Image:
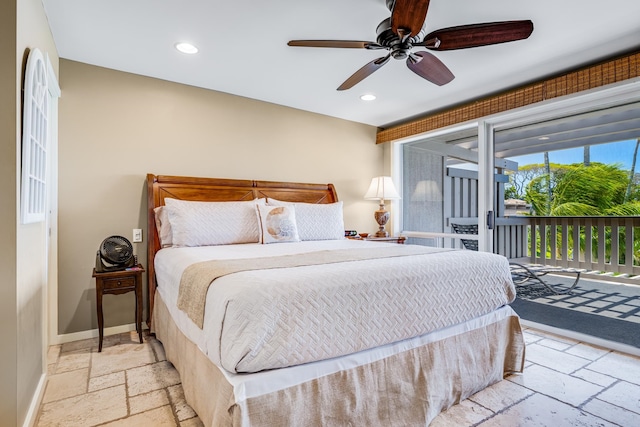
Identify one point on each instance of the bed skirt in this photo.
(408, 388)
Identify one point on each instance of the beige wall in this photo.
(33, 32)
(23, 26)
(8, 182)
(117, 127)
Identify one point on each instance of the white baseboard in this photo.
(32, 414)
(93, 333)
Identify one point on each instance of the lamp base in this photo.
(381, 216)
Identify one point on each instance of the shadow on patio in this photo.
(602, 309)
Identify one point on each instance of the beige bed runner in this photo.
(197, 278)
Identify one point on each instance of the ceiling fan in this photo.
(404, 30)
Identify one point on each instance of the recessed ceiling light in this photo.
(367, 97)
(186, 48)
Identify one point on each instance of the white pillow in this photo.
(213, 223)
(278, 224)
(163, 226)
(317, 221)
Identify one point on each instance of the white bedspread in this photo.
(266, 319)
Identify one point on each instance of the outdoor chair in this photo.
(520, 273)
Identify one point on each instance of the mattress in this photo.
(338, 309)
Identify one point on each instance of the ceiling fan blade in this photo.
(364, 72)
(409, 15)
(350, 44)
(430, 68)
(475, 35)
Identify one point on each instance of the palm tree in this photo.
(632, 173)
(587, 155)
(591, 189)
(547, 168)
(579, 190)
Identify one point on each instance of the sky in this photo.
(613, 152)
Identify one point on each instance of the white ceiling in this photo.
(243, 47)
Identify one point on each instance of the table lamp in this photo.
(382, 189)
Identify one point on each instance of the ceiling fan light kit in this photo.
(404, 31)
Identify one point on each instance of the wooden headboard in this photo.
(218, 190)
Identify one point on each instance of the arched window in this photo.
(34, 140)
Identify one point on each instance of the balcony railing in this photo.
(604, 244)
(595, 244)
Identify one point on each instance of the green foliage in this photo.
(536, 195)
(598, 185)
(574, 209)
(519, 179)
(511, 193)
(625, 209)
(635, 188)
(581, 190)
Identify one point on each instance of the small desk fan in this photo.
(115, 254)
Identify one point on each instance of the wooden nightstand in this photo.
(399, 240)
(116, 283)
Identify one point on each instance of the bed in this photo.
(316, 329)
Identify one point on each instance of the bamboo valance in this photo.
(611, 71)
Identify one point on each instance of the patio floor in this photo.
(603, 309)
(614, 300)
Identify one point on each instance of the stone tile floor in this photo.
(127, 384)
(565, 383)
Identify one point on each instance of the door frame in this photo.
(486, 176)
(50, 316)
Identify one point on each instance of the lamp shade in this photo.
(382, 188)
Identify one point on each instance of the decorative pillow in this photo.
(213, 223)
(316, 221)
(163, 226)
(278, 224)
(275, 202)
